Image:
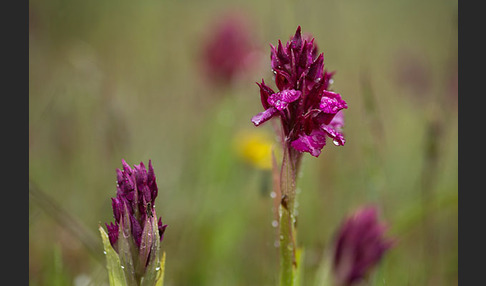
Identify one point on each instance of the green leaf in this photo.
(160, 277)
(153, 268)
(116, 274)
(146, 242)
(127, 251)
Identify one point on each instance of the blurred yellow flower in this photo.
(255, 148)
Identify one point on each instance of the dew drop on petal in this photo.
(274, 223)
(335, 142)
(104, 252)
(273, 195)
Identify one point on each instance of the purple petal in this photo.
(282, 55)
(305, 59)
(278, 56)
(136, 230)
(316, 69)
(312, 143)
(331, 102)
(263, 116)
(337, 137)
(283, 80)
(296, 42)
(275, 62)
(338, 121)
(281, 100)
(140, 175)
(126, 167)
(125, 182)
(119, 176)
(152, 184)
(117, 206)
(310, 39)
(265, 92)
(162, 228)
(112, 233)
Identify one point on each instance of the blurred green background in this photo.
(123, 79)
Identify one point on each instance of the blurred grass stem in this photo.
(66, 221)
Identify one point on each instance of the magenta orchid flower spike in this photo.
(359, 246)
(309, 114)
(134, 238)
(304, 103)
(230, 49)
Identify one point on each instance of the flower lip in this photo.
(331, 102)
(281, 100)
(312, 143)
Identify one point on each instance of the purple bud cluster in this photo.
(135, 200)
(360, 244)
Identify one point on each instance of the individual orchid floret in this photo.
(303, 101)
(316, 140)
(359, 246)
(136, 234)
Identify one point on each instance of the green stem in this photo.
(288, 243)
(287, 249)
